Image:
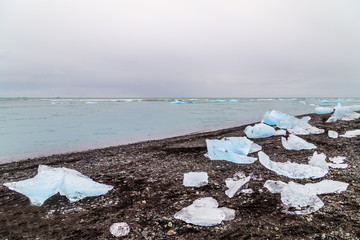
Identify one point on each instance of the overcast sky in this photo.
(180, 48)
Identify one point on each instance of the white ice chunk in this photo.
(338, 165)
(234, 184)
(343, 113)
(295, 143)
(323, 110)
(255, 148)
(304, 197)
(333, 134)
(318, 160)
(292, 170)
(195, 179)
(259, 130)
(337, 160)
(280, 132)
(120, 229)
(50, 181)
(205, 212)
(351, 134)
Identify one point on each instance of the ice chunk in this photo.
(351, 134)
(255, 148)
(333, 134)
(337, 160)
(50, 181)
(343, 113)
(295, 143)
(205, 212)
(280, 132)
(323, 110)
(195, 179)
(234, 184)
(338, 165)
(233, 100)
(302, 102)
(233, 149)
(318, 160)
(120, 229)
(304, 197)
(324, 101)
(292, 170)
(177, 102)
(259, 130)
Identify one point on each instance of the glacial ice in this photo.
(295, 143)
(205, 212)
(235, 183)
(259, 130)
(120, 229)
(50, 181)
(323, 110)
(319, 160)
(233, 100)
(333, 134)
(195, 179)
(345, 113)
(351, 133)
(232, 149)
(292, 170)
(304, 197)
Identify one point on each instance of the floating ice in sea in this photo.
(351, 134)
(205, 212)
(177, 102)
(50, 181)
(232, 149)
(219, 100)
(323, 110)
(292, 170)
(295, 143)
(233, 100)
(324, 101)
(333, 134)
(195, 179)
(304, 197)
(302, 102)
(343, 113)
(235, 183)
(120, 229)
(259, 130)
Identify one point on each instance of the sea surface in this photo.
(32, 127)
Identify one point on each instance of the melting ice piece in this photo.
(337, 160)
(195, 179)
(323, 110)
(232, 149)
(120, 229)
(233, 100)
(304, 197)
(343, 113)
(292, 170)
(351, 134)
(205, 212)
(235, 183)
(318, 160)
(50, 181)
(333, 134)
(255, 148)
(259, 130)
(295, 143)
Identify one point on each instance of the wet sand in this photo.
(148, 191)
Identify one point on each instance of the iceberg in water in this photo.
(205, 212)
(351, 134)
(235, 184)
(292, 170)
(232, 149)
(323, 110)
(295, 143)
(49, 181)
(303, 198)
(195, 179)
(233, 100)
(259, 130)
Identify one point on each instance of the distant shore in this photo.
(148, 191)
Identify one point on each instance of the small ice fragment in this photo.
(351, 134)
(338, 165)
(292, 170)
(333, 134)
(337, 160)
(120, 229)
(195, 179)
(247, 191)
(323, 110)
(295, 143)
(234, 184)
(318, 160)
(255, 148)
(205, 212)
(280, 132)
(259, 130)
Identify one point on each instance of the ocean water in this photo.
(32, 127)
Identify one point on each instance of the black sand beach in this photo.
(148, 191)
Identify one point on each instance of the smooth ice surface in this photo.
(259, 130)
(323, 110)
(235, 183)
(333, 134)
(295, 143)
(255, 148)
(120, 229)
(304, 197)
(232, 149)
(292, 170)
(195, 179)
(205, 212)
(351, 133)
(50, 181)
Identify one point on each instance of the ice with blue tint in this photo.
(292, 170)
(302, 199)
(49, 181)
(295, 143)
(343, 113)
(259, 130)
(195, 179)
(323, 110)
(232, 149)
(324, 101)
(303, 102)
(177, 102)
(205, 212)
(233, 100)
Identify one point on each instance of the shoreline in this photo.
(148, 191)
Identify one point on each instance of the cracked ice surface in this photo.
(205, 212)
(295, 143)
(234, 184)
(195, 179)
(259, 130)
(292, 170)
(50, 181)
(304, 197)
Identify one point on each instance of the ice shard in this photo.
(259, 130)
(195, 179)
(235, 184)
(295, 143)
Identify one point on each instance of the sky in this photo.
(179, 48)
